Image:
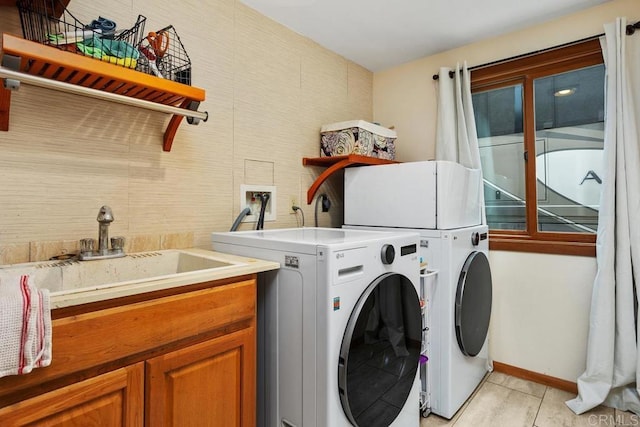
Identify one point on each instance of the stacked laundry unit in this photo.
(439, 200)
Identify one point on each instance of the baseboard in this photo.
(536, 377)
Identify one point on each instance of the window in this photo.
(540, 124)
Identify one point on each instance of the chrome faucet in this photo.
(87, 251)
(105, 217)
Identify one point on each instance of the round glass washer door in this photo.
(380, 352)
(473, 304)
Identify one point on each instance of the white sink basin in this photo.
(62, 277)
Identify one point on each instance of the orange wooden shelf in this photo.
(335, 164)
(52, 63)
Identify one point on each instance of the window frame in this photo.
(524, 70)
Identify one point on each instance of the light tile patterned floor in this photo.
(505, 401)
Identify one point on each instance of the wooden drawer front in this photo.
(97, 338)
(112, 399)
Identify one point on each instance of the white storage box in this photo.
(430, 194)
(357, 137)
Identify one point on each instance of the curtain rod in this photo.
(630, 30)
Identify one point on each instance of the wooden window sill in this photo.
(524, 244)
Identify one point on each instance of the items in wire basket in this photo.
(160, 53)
(49, 22)
(106, 26)
(164, 55)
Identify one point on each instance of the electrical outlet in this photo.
(326, 203)
(293, 201)
(249, 197)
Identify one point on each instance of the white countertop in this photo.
(240, 266)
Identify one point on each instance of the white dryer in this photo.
(339, 326)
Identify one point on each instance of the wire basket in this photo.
(162, 54)
(49, 22)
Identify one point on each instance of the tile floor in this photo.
(505, 401)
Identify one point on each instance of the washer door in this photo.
(380, 352)
(473, 304)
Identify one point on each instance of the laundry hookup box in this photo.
(357, 137)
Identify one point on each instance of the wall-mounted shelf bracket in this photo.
(32, 63)
(13, 63)
(335, 164)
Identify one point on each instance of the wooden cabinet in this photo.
(178, 357)
(208, 384)
(111, 399)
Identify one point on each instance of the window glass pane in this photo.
(569, 115)
(499, 121)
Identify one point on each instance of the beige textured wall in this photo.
(268, 92)
(541, 303)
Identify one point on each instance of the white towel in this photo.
(25, 326)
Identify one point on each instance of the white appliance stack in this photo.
(439, 200)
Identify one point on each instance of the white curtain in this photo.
(456, 137)
(613, 360)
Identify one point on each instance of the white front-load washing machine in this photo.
(460, 304)
(458, 296)
(441, 201)
(339, 326)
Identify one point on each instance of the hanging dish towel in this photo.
(25, 326)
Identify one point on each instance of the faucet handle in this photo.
(117, 242)
(87, 245)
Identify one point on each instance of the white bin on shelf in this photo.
(357, 137)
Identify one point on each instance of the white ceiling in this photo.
(378, 34)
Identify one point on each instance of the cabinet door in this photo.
(211, 384)
(112, 399)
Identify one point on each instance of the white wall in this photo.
(540, 314)
(541, 302)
